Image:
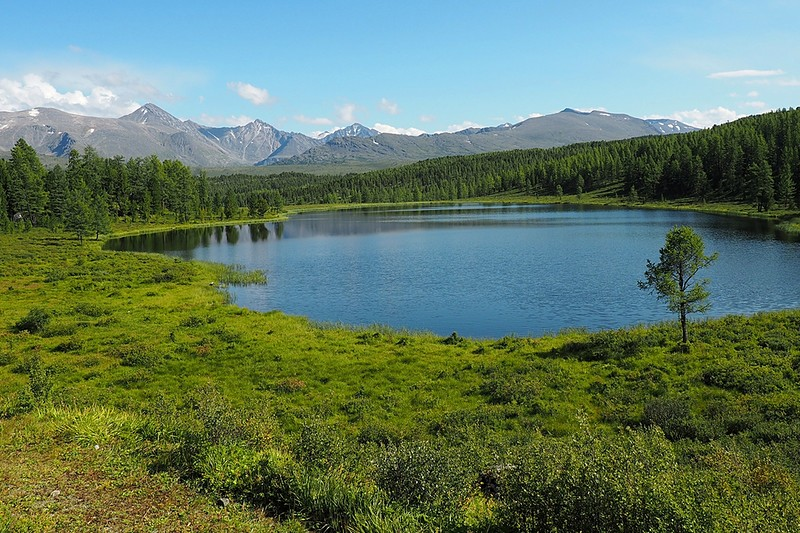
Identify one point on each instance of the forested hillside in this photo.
(91, 191)
(756, 159)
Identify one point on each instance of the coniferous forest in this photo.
(756, 159)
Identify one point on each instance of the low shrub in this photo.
(605, 346)
(454, 340)
(69, 345)
(192, 321)
(625, 483)
(423, 474)
(59, 329)
(228, 468)
(322, 446)
(504, 387)
(92, 425)
(289, 385)
(137, 355)
(34, 322)
(672, 415)
(740, 376)
(89, 309)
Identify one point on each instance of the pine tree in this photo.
(784, 187)
(57, 188)
(101, 221)
(4, 220)
(759, 178)
(26, 192)
(79, 213)
(231, 205)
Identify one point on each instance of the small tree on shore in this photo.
(673, 277)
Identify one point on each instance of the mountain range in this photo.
(151, 130)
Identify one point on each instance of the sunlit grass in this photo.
(133, 340)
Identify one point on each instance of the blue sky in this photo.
(408, 67)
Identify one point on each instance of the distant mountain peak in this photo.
(570, 110)
(353, 130)
(151, 114)
(151, 130)
(667, 125)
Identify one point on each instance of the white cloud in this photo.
(589, 109)
(427, 118)
(789, 83)
(220, 121)
(752, 94)
(706, 118)
(755, 104)
(251, 93)
(745, 73)
(318, 121)
(346, 113)
(385, 128)
(463, 126)
(35, 90)
(520, 118)
(389, 107)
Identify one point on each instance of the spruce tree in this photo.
(79, 213)
(26, 192)
(101, 221)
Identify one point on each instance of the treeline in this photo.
(755, 159)
(92, 191)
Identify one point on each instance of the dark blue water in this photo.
(487, 270)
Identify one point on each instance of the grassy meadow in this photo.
(134, 396)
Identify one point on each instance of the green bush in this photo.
(137, 355)
(510, 386)
(34, 322)
(89, 309)
(779, 341)
(592, 484)
(423, 474)
(192, 321)
(92, 425)
(321, 445)
(228, 468)
(59, 329)
(605, 346)
(739, 376)
(69, 345)
(673, 416)
(40, 380)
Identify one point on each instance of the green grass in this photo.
(308, 426)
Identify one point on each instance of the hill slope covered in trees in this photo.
(755, 159)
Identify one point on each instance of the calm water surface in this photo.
(486, 270)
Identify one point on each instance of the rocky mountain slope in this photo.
(559, 129)
(151, 130)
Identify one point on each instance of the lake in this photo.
(486, 270)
